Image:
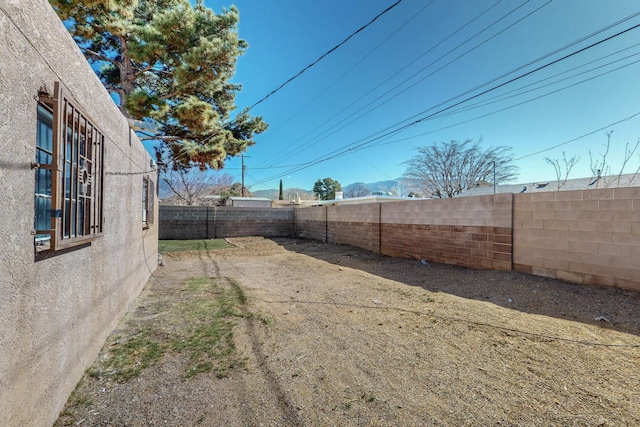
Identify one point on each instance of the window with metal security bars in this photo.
(147, 201)
(69, 174)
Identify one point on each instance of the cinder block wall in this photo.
(589, 236)
(471, 231)
(355, 225)
(202, 222)
(311, 223)
(56, 313)
(586, 236)
(467, 231)
(267, 222)
(184, 223)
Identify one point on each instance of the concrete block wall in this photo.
(355, 225)
(585, 236)
(311, 223)
(183, 222)
(471, 231)
(588, 236)
(202, 222)
(236, 222)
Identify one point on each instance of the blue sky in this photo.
(424, 56)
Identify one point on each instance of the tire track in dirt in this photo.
(254, 334)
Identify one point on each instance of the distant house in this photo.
(78, 214)
(249, 202)
(626, 180)
(212, 200)
(361, 200)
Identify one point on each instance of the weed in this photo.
(242, 297)
(367, 397)
(128, 359)
(207, 320)
(265, 319)
(76, 399)
(199, 324)
(165, 246)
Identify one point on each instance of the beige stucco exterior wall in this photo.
(56, 313)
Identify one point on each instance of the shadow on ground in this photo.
(606, 307)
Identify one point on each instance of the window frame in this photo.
(148, 193)
(77, 174)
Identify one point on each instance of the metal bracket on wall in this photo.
(50, 167)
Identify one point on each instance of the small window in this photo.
(69, 174)
(147, 201)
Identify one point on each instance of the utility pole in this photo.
(244, 169)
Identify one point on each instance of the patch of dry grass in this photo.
(197, 321)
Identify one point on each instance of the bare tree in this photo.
(446, 169)
(635, 173)
(628, 153)
(187, 185)
(601, 170)
(191, 186)
(221, 183)
(562, 170)
(357, 190)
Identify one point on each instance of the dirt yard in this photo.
(337, 336)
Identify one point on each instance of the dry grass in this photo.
(195, 321)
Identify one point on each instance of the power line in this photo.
(507, 108)
(325, 54)
(496, 111)
(344, 150)
(442, 67)
(521, 76)
(324, 91)
(580, 137)
(538, 60)
(488, 82)
(519, 91)
(324, 135)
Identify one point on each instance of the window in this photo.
(147, 201)
(69, 174)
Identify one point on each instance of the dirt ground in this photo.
(345, 337)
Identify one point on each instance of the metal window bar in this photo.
(77, 173)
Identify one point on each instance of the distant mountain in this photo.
(267, 194)
(406, 186)
(289, 194)
(393, 186)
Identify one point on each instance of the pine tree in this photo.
(325, 189)
(169, 63)
(281, 195)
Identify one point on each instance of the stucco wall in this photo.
(56, 313)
